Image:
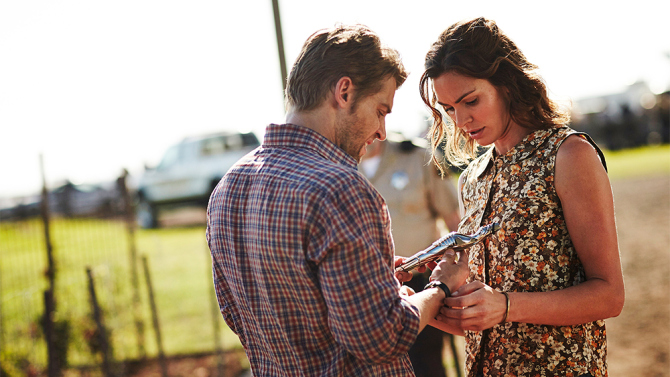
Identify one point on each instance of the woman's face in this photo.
(478, 109)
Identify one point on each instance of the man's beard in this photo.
(349, 135)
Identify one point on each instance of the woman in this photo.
(540, 288)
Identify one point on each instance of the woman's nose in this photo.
(461, 118)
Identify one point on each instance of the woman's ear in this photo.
(344, 90)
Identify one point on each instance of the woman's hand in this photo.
(474, 306)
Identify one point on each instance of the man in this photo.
(418, 199)
(301, 246)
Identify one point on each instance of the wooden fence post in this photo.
(154, 316)
(102, 330)
(54, 365)
(132, 253)
(51, 265)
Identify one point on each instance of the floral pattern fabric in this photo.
(532, 252)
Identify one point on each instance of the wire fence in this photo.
(82, 290)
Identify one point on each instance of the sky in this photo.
(98, 86)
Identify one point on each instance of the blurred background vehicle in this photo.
(68, 199)
(188, 172)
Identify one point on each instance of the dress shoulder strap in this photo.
(569, 132)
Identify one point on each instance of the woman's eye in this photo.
(470, 103)
(449, 110)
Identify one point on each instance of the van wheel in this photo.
(147, 215)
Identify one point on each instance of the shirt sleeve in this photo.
(225, 299)
(366, 314)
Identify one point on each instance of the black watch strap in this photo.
(438, 284)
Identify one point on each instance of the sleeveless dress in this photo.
(532, 252)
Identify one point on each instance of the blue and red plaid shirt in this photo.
(303, 262)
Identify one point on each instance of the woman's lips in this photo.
(476, 134)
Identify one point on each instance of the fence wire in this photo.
(101, 239)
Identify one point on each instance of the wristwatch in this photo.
(438, 284)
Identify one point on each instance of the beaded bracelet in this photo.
(506, 311)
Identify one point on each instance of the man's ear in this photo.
(344, 92)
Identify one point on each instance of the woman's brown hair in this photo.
(478, 49)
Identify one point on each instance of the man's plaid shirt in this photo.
(303, 262)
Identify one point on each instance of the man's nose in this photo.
(381, 132)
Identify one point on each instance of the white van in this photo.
(188, 172)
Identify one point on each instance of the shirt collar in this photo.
(295, 136)
(521, 151)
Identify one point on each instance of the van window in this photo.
(170, 158)
(213, 146)
(234, 142)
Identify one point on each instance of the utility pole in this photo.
(280, 45)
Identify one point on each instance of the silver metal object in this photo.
(453, 240)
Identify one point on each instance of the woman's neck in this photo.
(512, 136)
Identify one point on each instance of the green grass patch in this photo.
(180, 269)
(638, 162)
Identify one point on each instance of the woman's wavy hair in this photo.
(478, 49)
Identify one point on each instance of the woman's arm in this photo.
(586, 197)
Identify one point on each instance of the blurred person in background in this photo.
(541, 287)
(421, 203)
(301, 245)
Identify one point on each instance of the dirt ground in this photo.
(639, 339)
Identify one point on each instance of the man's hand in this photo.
(407, 276)
(402, 276)
(406, 291)
(452, 270)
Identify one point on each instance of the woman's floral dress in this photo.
(532, 252)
